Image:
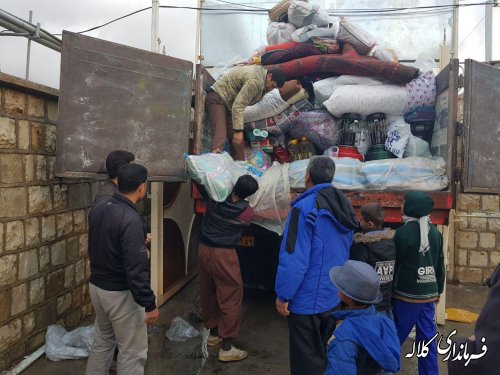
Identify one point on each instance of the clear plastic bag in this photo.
(217, 172)
(61, 344)
(271, 203)
(180, 330)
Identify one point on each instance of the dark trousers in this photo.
(308, 338)
(221, 289)
(221, 121)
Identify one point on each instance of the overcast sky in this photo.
(177, 30)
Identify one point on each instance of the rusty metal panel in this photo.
(201, 126)
(118, 97)
(444, 135)
(482, 128)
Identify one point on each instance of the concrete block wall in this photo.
(44, 267)
(477, 237)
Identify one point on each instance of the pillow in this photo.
(351, 33)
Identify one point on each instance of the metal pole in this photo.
(197, 52)
(156, 193)
(454, 47)
(155, 10)
(29, 50)
(488, 33)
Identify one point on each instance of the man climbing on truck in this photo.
(230, 95)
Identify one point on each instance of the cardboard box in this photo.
(279, 13)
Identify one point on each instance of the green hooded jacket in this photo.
(418, 275)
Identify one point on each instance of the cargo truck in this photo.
(117, 97)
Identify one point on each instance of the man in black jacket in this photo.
(114, 161)
(221, 285)
(119, 282)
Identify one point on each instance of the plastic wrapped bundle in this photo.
(347, 174)
(217, 172)
(319, 126)
(413, 173)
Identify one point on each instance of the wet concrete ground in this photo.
(263, 333)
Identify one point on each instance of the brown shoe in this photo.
(232, 355)
(213, 340)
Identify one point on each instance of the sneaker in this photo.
(213, 340)
(232, 355)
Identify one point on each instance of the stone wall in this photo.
(477, 237)
(43, 225)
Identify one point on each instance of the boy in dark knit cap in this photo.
(375, 246)
(419, 277)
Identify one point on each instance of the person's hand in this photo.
(437, 300)
(237, 138)
(282, 308)
(152, 316)
(148, 238)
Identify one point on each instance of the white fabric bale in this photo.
(279, 32)
(350, 32)
(398, 135)
(301, 13)
(269, 106)
(324, 88)
(307, 32)
(365, 100)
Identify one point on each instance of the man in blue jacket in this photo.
(317, 236)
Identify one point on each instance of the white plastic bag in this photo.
(271, 203)
(61, 344)
(307, 32)
(365, 100)
(417, 147)
(271, 104)
(398, 135)
(180, 330)
(279, 32)
(301, 13)
(217, 172)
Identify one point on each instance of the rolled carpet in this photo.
(293, 53)
(349, 62)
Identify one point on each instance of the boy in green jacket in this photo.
(419, 277)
